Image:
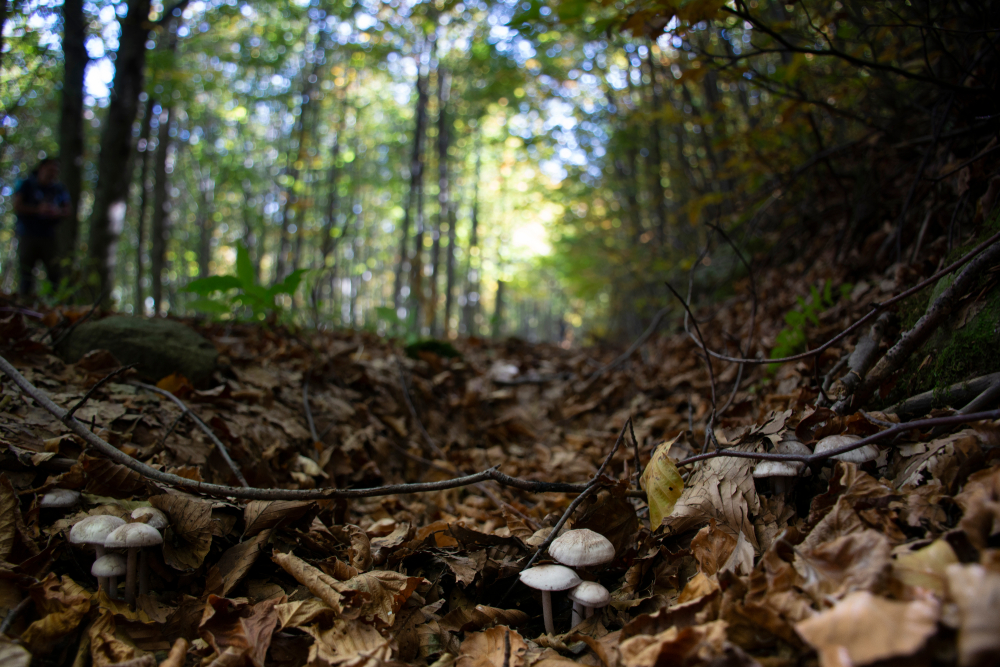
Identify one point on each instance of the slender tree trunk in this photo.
(416, 178)
(659, 206)
(249, 236)
(111, 191)
(472, 257)
(71, 138)
(444, 202)
(161, 211)
(498, 310)
(140, 218)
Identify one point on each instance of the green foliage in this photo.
(247, 295)
(397, 326)
(792, 339)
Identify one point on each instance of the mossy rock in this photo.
(159, 347)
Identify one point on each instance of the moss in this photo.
(954, 356)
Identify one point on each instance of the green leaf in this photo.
(205, 286)
(210, 306)
(663, 484)
(244, 267)
(289, 284)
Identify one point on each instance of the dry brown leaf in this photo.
(13, 655)
(740, 561)
(385, 591)
(360, 551)
(234, 564)
(676, 646)
(722, 489)
(489, 649)
(980, 502)
(347, 643)
(926, 567)
(320, 584)
(231, 624)
(859, 561)
(9, 508)
(711, 547)
(263, 514)
(302, 612)
(515, 525)
(178, 652)
(106, 646)
(613, 517)
(466, 620)
(62, 604)
(105, 478)
(869, 628)
(189, 536)
(976, 591)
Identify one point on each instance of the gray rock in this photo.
(159, 347)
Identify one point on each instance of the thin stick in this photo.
(635, 444)
(876, 309)
(13, 614)
(103, 381)
(624, 356)
(251, 493)
(709, 425)
(202, 425)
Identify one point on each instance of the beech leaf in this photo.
(662, 483)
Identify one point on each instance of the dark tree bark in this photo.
(472, 263)
(161, 210)
(140, 218)
(71, 120)
(655, 158)
(416, 178)
(498, 310)
(111, 191)
(444, 205)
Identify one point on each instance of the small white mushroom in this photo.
(132, 536)
(59, 499)
(95, 530)
(582, 548)
(108, 568)
(158, 520)
(782, 473)
(548, 578)
(860, 455)
(588, 595)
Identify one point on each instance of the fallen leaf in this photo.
(13, 655)
(926, 567)
(349, 643)
(106, 647)
(976, 591)
(466, 620)
(320, 584)
(496, 647)
(9, 507)
(234, 564)
(230, 624)
(662, 483)
(263, 514)
(869, 628)
(386, 592)
(189, 535)
(62, 603)
(676, 646)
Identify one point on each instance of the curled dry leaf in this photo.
(663, 484)
(106, 646)
(105, 478)
(926, 567)
(976, 591)
(235, 563)
(320, 584)
(869, 628)
(347, 643)
(385, 593)
(676, 646)
(230, 624)
(13, 655)
(489, 649)
(62, 604)
(190, 530)
(263, 514)
(9, 507)
(465, 620)
(859, 561)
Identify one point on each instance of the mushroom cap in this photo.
(94, 529)
(582, 548)
(133, 536)
(791, 445)
(59, 498)
(778, 469)
(110, 565)
(549, 578)
(860, 455)
(590, 594)
(157, 519)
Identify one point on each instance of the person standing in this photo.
(40, 203)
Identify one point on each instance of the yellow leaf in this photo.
(663, 484)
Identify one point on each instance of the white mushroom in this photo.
(548, 578)
(860, 455)
(589, 595)
(782, 473)
(132, 536)
(582, 548)
(108, 568)
(95, 530)
(59, 499)
(158, 520)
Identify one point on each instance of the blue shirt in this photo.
(34, 193)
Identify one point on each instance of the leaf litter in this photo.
(854, 564)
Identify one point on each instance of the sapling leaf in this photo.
(244, 268)
(210, 306)
(206, 286)
(663, 484)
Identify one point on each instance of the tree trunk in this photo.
(111, 191)
(659, 204)
(161, 209)
(140, 218)
(416, 178)
(472, 258)
(444, 202)
(71, 138)
(498, 311)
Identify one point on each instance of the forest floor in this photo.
(849, 563)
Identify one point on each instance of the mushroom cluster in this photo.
(581, 548)
(109, 532)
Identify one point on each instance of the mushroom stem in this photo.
(547, 612)
(102, 582)
(590, 611)
(133, 553)
(577, 614)
(113, 588)
(144, 572)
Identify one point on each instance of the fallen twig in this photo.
(710, 424)
(90, 392)
(202, 425)
(950, 420)
(956, 394)
(253, 493)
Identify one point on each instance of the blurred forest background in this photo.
(489, 167)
